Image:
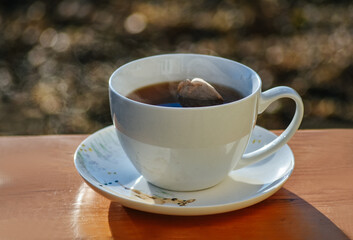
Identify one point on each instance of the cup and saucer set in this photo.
(188, 161)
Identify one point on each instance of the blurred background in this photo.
(56, 56)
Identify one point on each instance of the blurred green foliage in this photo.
(56, 56)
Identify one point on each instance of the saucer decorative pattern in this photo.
(102, 163)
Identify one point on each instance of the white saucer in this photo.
(101, 162)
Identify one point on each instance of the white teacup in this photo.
(187, 149)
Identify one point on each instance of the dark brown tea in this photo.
(165, 94)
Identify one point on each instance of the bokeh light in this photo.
(56, 58)
(135, 23)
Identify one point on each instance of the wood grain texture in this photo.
(43, 197)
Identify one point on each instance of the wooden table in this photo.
(43, 197)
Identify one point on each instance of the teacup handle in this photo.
(265, 100)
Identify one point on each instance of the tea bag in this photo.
(197, 93)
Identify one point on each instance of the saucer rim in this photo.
(185, 210)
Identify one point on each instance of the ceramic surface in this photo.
(176, 148)
(102, 163)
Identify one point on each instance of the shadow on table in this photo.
(282, 216)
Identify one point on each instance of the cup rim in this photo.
(112, 89)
